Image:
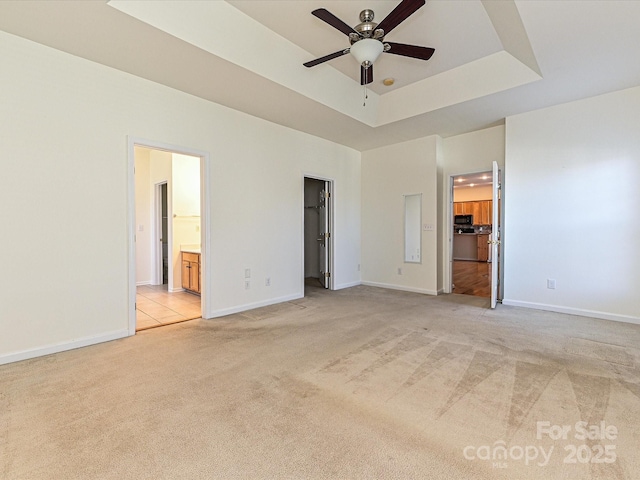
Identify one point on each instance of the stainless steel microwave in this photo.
(463, 219)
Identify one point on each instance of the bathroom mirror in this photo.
(412, 231)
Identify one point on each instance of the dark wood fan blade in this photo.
(414, 51)
(326, 58)
(404, 10)
(326, 16)
(366, 75)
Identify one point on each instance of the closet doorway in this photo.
(318, 241)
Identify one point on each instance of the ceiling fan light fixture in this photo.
(366, 51)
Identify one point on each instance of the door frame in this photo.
(330, 213)
(205, 221)
(448, 270)
(496, 235)
(157, 252)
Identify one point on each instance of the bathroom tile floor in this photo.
(156, 306)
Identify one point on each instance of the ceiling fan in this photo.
(367, 38)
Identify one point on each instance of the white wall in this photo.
(389, 173)
(572, 176)
(64, 162)
(185, 218)
(160, 172)
(468, 153)
(473, 152)
(144, 221)
(470, 194)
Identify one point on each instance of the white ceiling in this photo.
(481, 179)
(459, 35)
(494, 58)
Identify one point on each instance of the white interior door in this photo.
(324, 235)
(495, 235)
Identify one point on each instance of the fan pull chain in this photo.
(364, 103)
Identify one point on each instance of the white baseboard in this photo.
(250, 306)
(573, 311)
(347, 285)
(401, 287)
(62, 347)
(143, 283)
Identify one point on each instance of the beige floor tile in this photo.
(142, 316)
(157, 311)
(156, 306)
(191, 312)
(162, 317)
(148, 322)
(178, 305)
(172, 319)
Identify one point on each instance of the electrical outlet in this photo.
(267, 282)
(428, 227)
(399, 271)
(247, 273)
(247, 284)
(551, 283)
(358, 267)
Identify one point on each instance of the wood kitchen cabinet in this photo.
(482, 211)
(476, 207)
(191, 271)
(483, 247)
(486, 212)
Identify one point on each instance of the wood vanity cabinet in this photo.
(483, 247)
(191, 271)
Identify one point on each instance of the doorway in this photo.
(318, 241)
(168, 191)
(162, 213)
(472, 212)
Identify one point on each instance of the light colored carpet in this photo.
(362, 383)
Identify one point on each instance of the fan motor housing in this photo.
(367, 28)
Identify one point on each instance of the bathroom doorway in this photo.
(168, 264)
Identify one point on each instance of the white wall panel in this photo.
(572, 173)
(389, 173)
(64, 161)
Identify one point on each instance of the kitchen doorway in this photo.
(472, 223)
(318, 241)
(169, 236)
